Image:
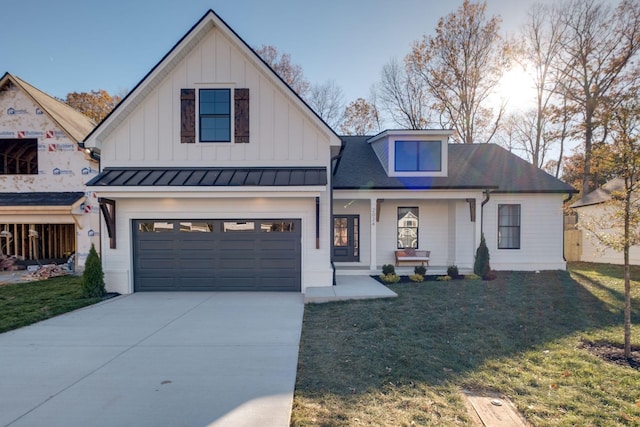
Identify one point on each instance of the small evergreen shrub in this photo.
(452, 271)
(93, 276)
(390, 278)
(416, 278)
(388, 269)
(420, 269)
(481, 265)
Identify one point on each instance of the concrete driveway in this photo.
(156, 359)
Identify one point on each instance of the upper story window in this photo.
(508, 226)
(212, 117)
(19, 156)
(215, 115)
(418, 156)
(413, 152)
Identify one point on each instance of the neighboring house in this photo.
(593, 206)
(215, 175)
(45, 213)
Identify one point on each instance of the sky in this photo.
(82, 45)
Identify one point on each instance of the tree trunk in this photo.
(627, 278)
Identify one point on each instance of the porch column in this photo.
(373, 239)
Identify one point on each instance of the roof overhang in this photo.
(40, 203)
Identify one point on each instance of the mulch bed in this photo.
(614, 353)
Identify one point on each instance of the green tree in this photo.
(481, 266)
(93, 276)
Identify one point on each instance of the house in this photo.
(215, 175)
(593, 206)
(45, 212)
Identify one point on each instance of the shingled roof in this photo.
(75, 124)
(602, 194)
(471, 166)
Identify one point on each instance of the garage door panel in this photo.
(202, 257)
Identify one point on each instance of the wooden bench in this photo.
(413, 256)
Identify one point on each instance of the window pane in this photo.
(406, 156)
(430, 156)
(340, 232)
(277, 226)
(238, 226)
(196, 227)
(508, 226)
(155, 227)
(215, 115)
(408, 227)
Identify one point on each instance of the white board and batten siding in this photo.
(281, 133)
(541, 233)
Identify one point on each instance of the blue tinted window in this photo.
(418, 156)
(215, 115)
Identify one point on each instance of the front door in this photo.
(346, 234)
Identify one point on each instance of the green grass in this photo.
(404, 361)
(24, 303)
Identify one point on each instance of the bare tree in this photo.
(598, 48)
(404, 95)
(291, 73)
(360, 118)
(461, 65)
(540, 45)
(327, 99)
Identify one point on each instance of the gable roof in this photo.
(601, 194)
(75, 124)
(471, 166)
(177, 53)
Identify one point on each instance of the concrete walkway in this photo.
(156, 359)
(349, 287)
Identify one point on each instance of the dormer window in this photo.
(413, 153)
(418, 156)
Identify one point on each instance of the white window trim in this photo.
(232, 112)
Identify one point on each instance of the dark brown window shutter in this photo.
(241, 99)
(188, 116)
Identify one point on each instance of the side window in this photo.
(215, 115)
(508, 226)
(407, 227)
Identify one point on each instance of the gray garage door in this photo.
(216, 255)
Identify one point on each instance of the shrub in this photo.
(420, 269)
(388, 269)
(390, 278)
(481, 265)
(416, 278)
(93, 276)
(443, 278)
(472, 277)
(453, 271)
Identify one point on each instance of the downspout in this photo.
(567, 198)
(336, 158)
(487, 193)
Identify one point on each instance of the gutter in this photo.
(337, 158)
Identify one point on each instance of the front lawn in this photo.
(24, 303)
(404, 361)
